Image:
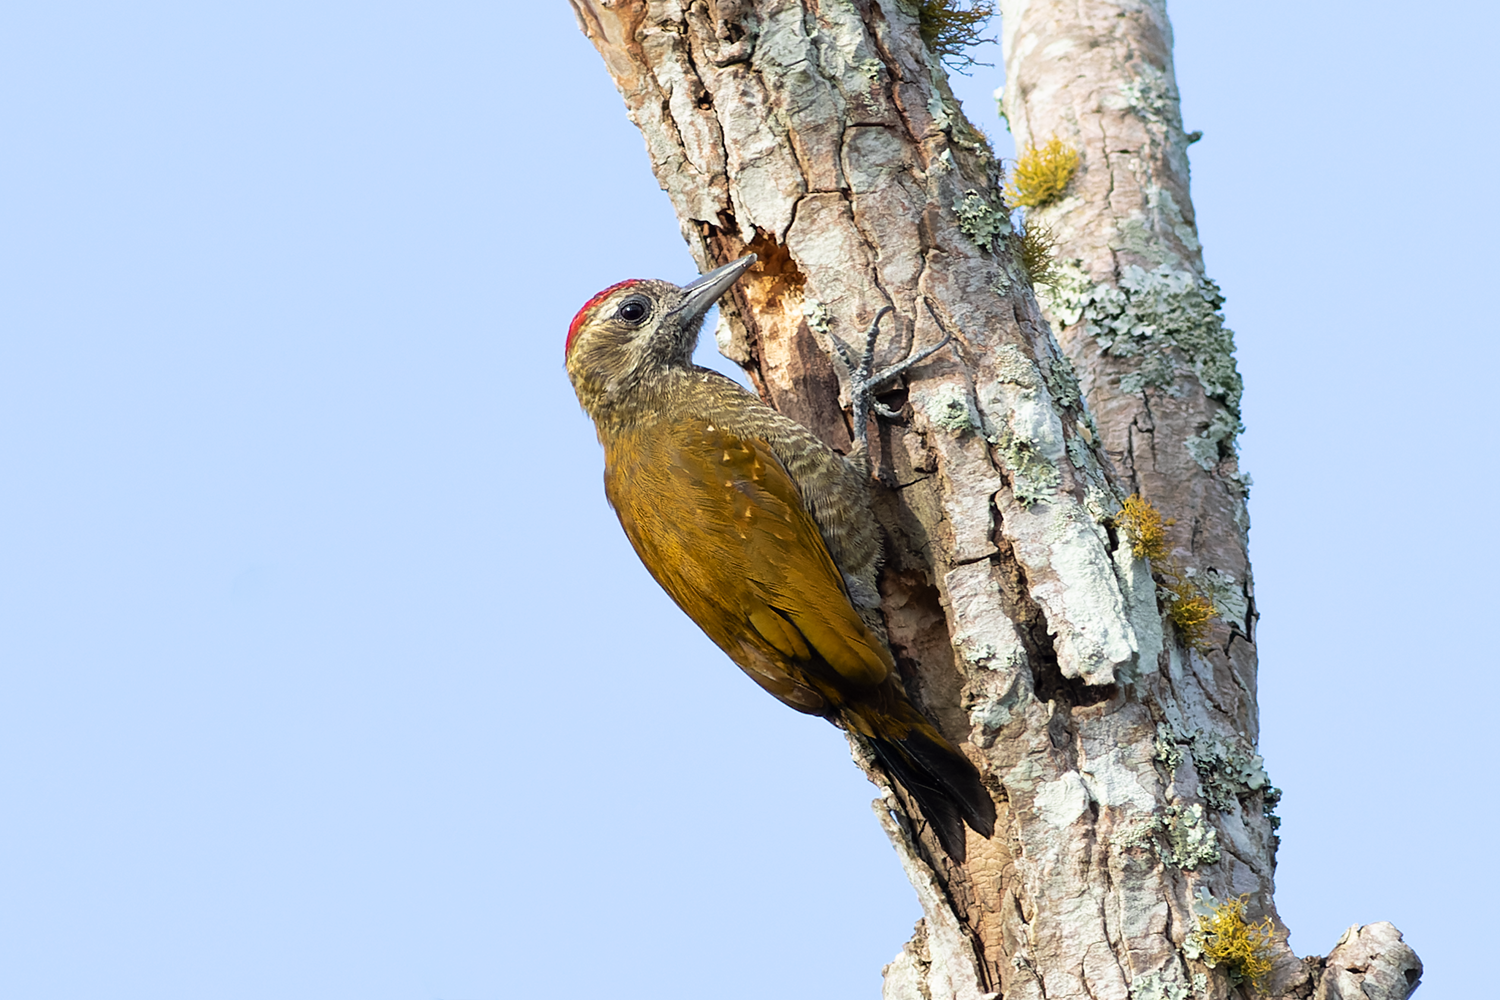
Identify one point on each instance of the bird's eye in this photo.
(633, 310)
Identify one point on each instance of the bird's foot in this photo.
(864, 381)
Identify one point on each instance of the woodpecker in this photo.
(758, 530)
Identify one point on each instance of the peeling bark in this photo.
(821, 135)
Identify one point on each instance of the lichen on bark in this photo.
(823, 137)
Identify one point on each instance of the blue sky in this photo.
(327, 671)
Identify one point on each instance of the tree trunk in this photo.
(821, 135)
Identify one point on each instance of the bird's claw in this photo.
(864, 380)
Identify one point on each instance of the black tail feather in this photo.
(944, 783)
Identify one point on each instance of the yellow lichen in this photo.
(1191, 612)
(949, 27)
(1038, 253)
(1241, 949)
(1189, 609)
(1041, 174)
(1143, 523)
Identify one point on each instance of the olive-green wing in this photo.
(720, 525)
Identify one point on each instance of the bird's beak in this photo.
(703, 292)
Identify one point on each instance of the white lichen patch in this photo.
(873, 159)
(1090, 605)
(985, 637)
(969, 481)
(948, 408)
(1101, 503)
(1061, 802)
(983, 633)
(1154, 986)
(1012, 365)
(1022, 779)
(1029, 435)
(1112, 781)
(1099, 644)
(993, 711)
(1067, 555)
(762, 171)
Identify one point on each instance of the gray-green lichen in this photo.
(979, 220)
(1062, 381)
(1180, 836)
(1001, 284)
(1135, 239)
(1228, 769)
(1190, 841)
(941, 116)
(1142, 834)
(1230, 602)
(1146, 315)
(1078, 452)
(1102, 503)
(1167, 752)
(1151, 95)
(1204, 905)
(1034, 479)
(1012, 365)
(949, 409)
(1155, 372)
(993, 711)
(1214, 442)
(1152, 986)
(1269, 801)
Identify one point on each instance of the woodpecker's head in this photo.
(637, 329)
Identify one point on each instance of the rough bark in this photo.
(1136, 313)
(821, 134)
